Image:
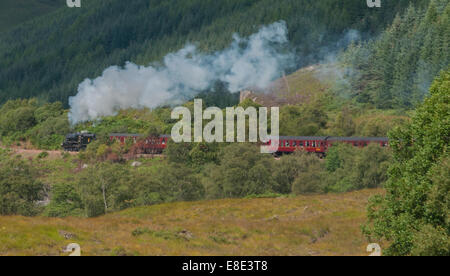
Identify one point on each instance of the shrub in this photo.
(19, 187)
(42, 155)
(414, 213)
(243, 170)
(351, 168)
(65, 201)
(310, 176)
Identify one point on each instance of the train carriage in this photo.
(289, 144)
(142, 144)
(321, 144)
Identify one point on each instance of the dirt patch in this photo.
(33, 153)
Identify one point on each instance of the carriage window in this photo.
(287, 144)
(314, 143)
(301, 143)
(163, 141)
(307, 143)
(294, 144)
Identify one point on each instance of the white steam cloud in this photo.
(248, 62)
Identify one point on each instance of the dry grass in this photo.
(299, 87)
(303, 225)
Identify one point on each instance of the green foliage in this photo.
(334, 159)
(414, 213)
(396, 69)
(305, 120)
(344, 124)
(19, 188)
(218, 97)
(181, 182)
(299, 173)
(378, 125)
(104, 187)
(142, 121)
(83, 42)
(242, 171)
(192, 154)
(203, 153)
(42, 155)
(310, 175)
(265, 195)
(430, 241)
(353, 168)
(178, 152)
(15, 12)
(44, 125)
(103, 149)
(17, 116)
(66, 201)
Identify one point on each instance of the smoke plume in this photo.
(248, 62)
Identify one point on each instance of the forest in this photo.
(47, 57)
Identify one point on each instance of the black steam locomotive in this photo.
(77, 141)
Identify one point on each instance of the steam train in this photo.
(287, 144)
(320, 144)
(77, 141)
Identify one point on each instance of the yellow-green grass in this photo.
(309, 81)
(302, 86)
(303, 225)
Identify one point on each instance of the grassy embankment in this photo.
(303, 225)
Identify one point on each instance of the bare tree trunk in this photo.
(287, 83)
(104, 196)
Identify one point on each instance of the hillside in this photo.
(297, 88)
(15, 12)
(303, 225)
(50, 56)
(396, 69)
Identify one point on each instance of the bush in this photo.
(19, 187)
(44, 125)
(42, 155)
(430, 241)
(103, 187)
(299, 173)
(310, 177)
(17, 116)
(414, 213)
(351, 168)
(242, 171)
(65, 201)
